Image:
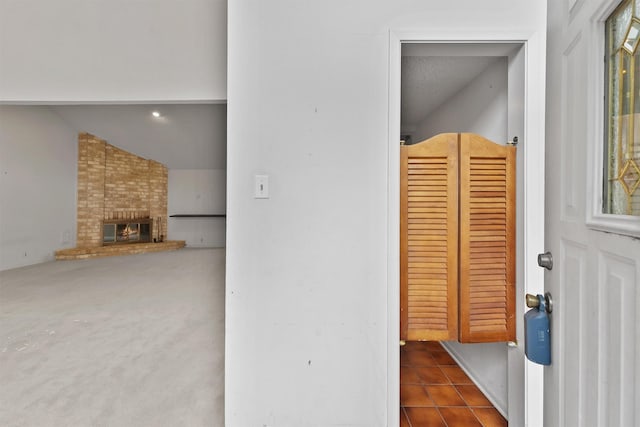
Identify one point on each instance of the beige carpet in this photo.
(125, 341)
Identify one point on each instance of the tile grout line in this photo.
(443, 420)
(406, 416)
(424, 385)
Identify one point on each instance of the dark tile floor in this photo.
(434, 391)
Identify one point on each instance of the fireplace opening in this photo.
(126, 231)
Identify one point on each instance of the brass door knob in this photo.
(532, 301)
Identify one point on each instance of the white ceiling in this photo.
(433, 73)
(186, 136)
(427, 82)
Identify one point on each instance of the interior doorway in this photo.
(477, 88)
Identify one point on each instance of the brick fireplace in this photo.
(118, 187)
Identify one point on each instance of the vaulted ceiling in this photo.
(184, 136)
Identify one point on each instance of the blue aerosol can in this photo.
(537, 343)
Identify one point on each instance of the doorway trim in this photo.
(532, 145)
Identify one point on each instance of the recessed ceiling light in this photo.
(155, 114)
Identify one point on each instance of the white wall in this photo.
(197, 191)
(306, 314)
(38, 170)
(487, 365)
(480, 107)
(117, 50)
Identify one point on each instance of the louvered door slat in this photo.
(429, 233)
(487, 240)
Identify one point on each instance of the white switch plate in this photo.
(262, 187)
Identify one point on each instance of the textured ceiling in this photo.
(186, 136)
(434, 72)
(429, 81)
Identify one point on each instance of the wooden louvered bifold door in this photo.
(487, 240)
(429, 239)
(457, 240)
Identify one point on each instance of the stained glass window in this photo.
(622, 148)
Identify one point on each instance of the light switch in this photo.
(262, 187)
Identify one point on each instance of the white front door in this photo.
(594, 378)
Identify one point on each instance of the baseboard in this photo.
(460, 361)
